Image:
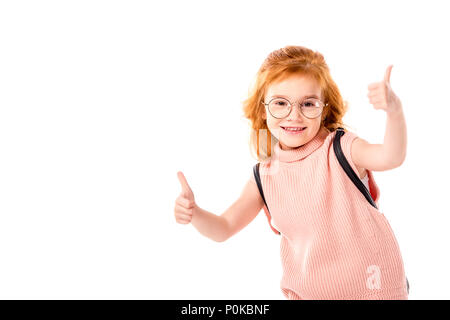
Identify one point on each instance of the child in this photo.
(334, 243)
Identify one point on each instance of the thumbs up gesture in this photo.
(381, 95)
(185, 203)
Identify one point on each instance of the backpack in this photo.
(344, 164)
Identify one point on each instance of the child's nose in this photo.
(295, 113)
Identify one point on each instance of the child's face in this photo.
(295, 89)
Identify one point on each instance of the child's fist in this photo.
(185, 203)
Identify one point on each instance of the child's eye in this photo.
(310, 103)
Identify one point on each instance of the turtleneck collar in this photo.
(303, 151)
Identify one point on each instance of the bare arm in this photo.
(234, 219)
(209, 224)
(244, 210)
(386, 156)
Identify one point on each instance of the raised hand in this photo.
(185, 203)
(381, 95)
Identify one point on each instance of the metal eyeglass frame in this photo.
(290, 107)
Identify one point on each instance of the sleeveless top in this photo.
(334, 243)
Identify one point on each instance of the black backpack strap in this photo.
(258, 183)
(347, 167)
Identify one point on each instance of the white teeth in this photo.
(293, 129)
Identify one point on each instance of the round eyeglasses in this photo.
(280, 107)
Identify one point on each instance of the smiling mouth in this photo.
(293, 129)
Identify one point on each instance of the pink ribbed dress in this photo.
(334, 243)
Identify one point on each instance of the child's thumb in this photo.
(184, 184)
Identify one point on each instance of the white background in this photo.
(102, 102)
